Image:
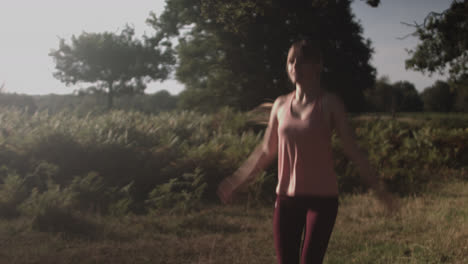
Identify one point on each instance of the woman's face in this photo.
(301, 70)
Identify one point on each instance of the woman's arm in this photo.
(259, 160)
(352, 151)
(348, 141)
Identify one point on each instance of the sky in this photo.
(30, 29)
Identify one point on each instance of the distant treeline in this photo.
(400, 96)
(83, 104)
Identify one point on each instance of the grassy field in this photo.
(430, 228)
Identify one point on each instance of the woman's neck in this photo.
(307, 92)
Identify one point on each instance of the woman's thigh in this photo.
(288, 223)
(319, 225)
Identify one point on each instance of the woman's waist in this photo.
(298, 183)
(310, 201)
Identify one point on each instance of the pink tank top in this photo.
(305, 164)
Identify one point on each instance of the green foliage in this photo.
(401, 96)
(130, 162)
(114, 62)
(53, 209)
(443, 42)
(96, 157)
(89, 192)
(182, 193)
(461, 95)
(12, 193)
(438, 98)
(39, 203)
(407, 97)
(234, 53)
(42, 174)
(20, 101)
(405, 157)
(122, 202)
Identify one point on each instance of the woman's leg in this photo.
(321, 217)
(288, 223)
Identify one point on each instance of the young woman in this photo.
(299, 134)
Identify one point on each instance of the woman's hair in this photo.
(305, 50)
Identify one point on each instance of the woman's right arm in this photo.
(258, 161)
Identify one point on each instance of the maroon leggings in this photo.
(317, 214)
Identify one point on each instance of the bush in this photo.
(12, 193)
(179, 194)
(123, 162)
(52, 211)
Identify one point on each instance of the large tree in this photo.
(460, 88)
(438, 97)
(444, 48)
(381, 98)
(234, 52)
(115, 63)
(443, 42)
(400, 96)
(407, 97)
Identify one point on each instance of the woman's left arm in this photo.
(348, 141)
(352, 151)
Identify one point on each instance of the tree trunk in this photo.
(110, 96)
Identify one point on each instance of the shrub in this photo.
(179, 194)
(12, 193)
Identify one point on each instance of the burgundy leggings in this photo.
(317, 214)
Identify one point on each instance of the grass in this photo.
(431, 228)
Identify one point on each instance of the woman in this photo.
(299, 134)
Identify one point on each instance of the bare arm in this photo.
(258, 161)
(263, 154)
(353, 152)
(350, 146)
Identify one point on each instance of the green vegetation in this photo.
(234, 53)
(430, 228)
(117, 64)
(442, 47)
(132, 187)
(121, 162)
(443, 42)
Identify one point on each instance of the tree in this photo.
(380, 99)
(162, 101)
(444, 42)
(438, 97)
(399, 96)
(20, 101)
(407, 97)
(460, 87)
(234, 52)
(116, 63)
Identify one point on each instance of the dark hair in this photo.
(305, 50)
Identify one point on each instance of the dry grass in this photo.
(432, 228)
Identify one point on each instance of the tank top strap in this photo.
(318, 103)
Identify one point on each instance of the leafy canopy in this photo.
(234, 52)
(444, 42)
(116, 62)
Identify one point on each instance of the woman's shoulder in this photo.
(280, 100)
(279, 103)
(331, 100)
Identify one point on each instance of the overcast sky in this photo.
(29, 29)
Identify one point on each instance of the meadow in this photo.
(129, 187)
(429, 228)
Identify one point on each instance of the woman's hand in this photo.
(226, 190)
